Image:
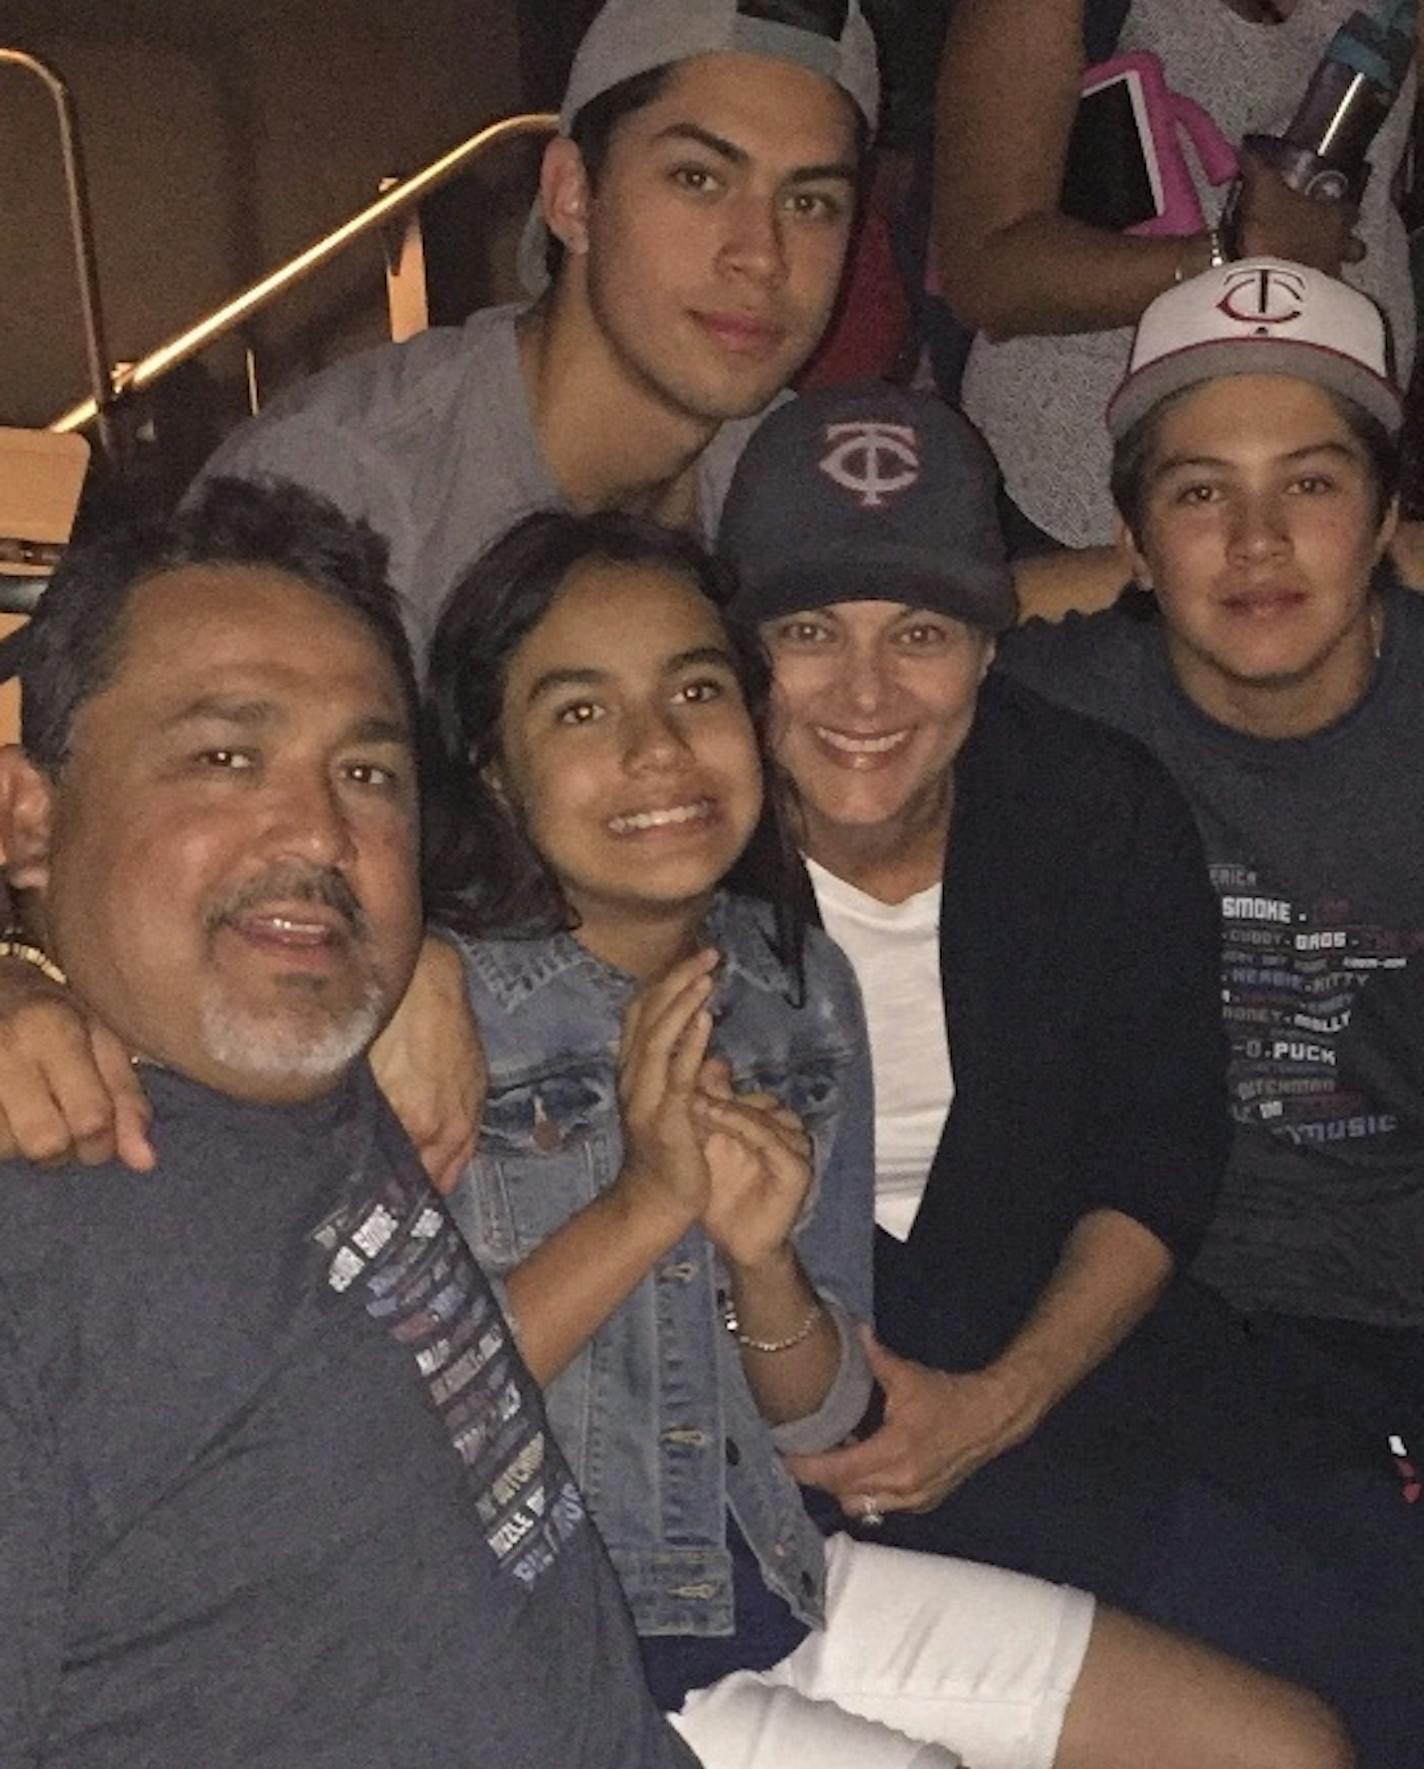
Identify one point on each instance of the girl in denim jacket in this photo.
(673, 1185)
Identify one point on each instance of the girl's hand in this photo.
(758, 1156)
(666, 1028)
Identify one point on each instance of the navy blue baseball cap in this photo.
(868, 493)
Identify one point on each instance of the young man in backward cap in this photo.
(683, 257)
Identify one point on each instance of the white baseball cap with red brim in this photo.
(1260, 316)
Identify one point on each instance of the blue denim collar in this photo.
(515, 970)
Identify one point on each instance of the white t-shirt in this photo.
(894, 950)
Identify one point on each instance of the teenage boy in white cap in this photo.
(1277, 672)
(1276, 667)
(696, 207)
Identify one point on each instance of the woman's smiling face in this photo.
(872, 703)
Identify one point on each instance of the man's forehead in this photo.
(221, 628)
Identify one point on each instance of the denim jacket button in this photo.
(546, 1134)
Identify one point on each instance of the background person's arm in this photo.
(1073, 580)
(1011, 263)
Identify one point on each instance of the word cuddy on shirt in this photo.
(1292, 973)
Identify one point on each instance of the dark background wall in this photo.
(223, 136)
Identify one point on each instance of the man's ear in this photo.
(26, 803)
(564, 194)
(1133, 557)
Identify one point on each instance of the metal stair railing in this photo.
(81, 238)
(401, 197)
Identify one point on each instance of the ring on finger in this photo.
(871, 1511)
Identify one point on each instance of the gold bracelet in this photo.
(1216, 255)
(802, 1332)
(14, 944)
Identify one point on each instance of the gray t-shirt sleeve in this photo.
(719, 463)
(33, 1554)
(337, 461)
(1091, 663)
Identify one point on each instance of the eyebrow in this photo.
(222, 710)
(553, 680)
(738, 156)
(252, 715)
(1328, 446)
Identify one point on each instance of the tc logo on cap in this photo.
(1263, 297)
(872, 459)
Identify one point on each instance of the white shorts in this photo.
(923, 1662)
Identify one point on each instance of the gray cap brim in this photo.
(1210, 361)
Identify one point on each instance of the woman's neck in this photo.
(890, 861)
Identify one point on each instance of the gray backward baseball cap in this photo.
(631, 37)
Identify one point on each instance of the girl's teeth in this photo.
(637, 820)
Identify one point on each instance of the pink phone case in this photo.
(1164, 117)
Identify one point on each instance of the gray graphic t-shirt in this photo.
(277, 1488)
(1316, 847)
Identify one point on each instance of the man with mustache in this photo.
(277, 1485)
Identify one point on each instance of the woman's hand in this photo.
(1280, 222)
(666, 1029)
(758, 1156)
(68, 1091)
(939, 1428)
(430, 1064)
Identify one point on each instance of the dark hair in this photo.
(1133, 452)
(74, 642)
(592, 130)
(483, 875)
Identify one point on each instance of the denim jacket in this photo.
(654, 1413)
